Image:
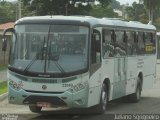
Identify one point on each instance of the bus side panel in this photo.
(94, 95)
(108, 72)
(149, 71)
(148, 82)
(131, 75)
(97, 79)
(119, 85)
(94, 88)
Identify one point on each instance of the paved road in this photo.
(150, 103)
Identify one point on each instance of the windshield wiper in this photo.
(59, 67)
(55, 61)
(36, 57)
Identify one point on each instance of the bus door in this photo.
(120, 62)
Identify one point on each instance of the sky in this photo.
(128, 1)
(11, 0)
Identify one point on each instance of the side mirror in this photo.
(4, 39)
(4, 44)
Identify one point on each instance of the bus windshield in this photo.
(50, 48)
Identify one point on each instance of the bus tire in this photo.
(35, 109)
(101, 107)
(135, 97)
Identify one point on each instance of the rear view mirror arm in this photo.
(4, 40)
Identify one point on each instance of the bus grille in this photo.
(53, 100)
(45, 81)
(53, 80)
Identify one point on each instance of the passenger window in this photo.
(131, 43)
(96, 47)
(149, 44)
(154, 42)
(107, 45)
(120, 44)
(141, 43)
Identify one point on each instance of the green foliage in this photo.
(145, 12)
(54, 7)
(3, 66)
(98, 11)
(59, 7)
(116, 5)
(157, 23)
(136, 12)
(3, 87)
(105, 2)
(151, 6)
(7, 12)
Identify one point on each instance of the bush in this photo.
(3, 87)
(3, 66)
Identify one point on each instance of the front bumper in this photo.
(67, 99)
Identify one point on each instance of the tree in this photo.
(48, 7)
(105, 3)
(136, 12)
(116, 5)
(7, 11)
(100, 12)
(60, 7)
(151, 5)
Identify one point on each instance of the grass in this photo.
(3, 67)
(3, 87)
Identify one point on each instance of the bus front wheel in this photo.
(101, 107)
(35, 109)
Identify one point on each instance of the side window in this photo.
(96, 47)
(141, 43)
(131, 43)
(120, 44)
(107, 44)
(154, 42)
(149, 44)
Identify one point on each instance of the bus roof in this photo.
(114, 22)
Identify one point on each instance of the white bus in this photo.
(79, 61)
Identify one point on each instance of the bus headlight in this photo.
(78, 87)
(14, 85)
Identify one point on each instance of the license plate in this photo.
(43, 104)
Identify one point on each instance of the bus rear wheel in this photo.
(101, 107)
(135, 97)
(35, 109)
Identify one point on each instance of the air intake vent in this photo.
(53, 100)
(44, 81)
(36, 80)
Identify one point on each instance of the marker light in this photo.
(14, 85)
